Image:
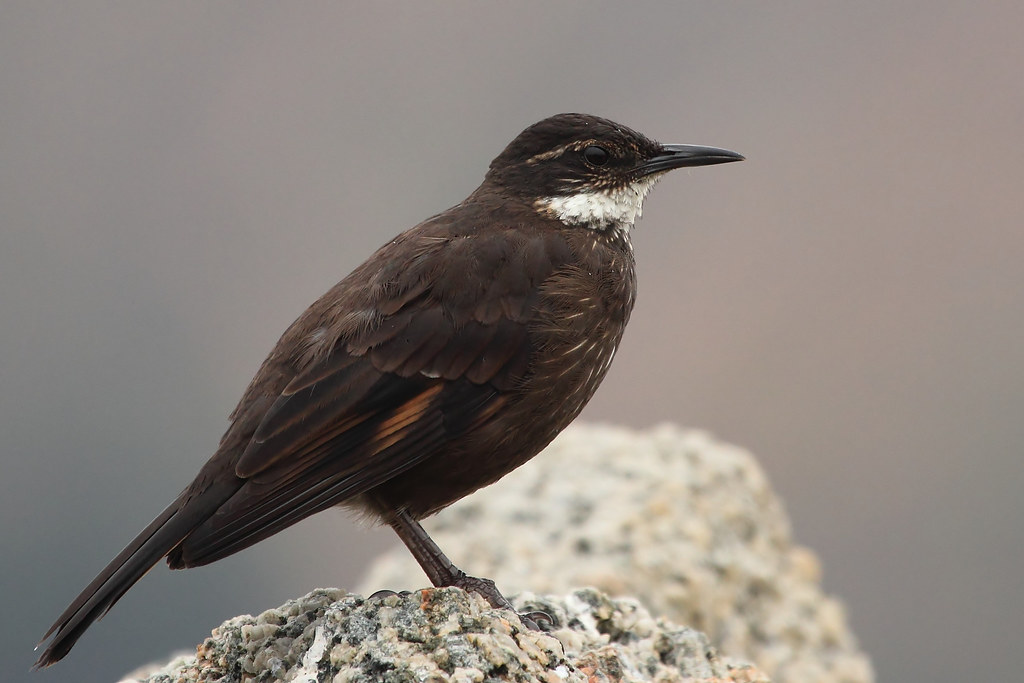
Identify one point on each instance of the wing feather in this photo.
(324, 442)
(354, 461)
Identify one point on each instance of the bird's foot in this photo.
(537, 620)
(386, 593)
(485, 588)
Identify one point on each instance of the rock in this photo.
(684, 523)
(437, 635)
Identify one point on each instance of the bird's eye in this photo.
(595, 155)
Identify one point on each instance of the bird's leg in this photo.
(438, 568)
(442, 572)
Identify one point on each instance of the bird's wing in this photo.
(311, 433)
(361, 415)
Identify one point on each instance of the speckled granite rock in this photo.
(684, 523)
(446, 634)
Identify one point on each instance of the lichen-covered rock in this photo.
(685, 523)
(440, 635)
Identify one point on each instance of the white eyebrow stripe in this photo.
(559, 151)
(550, 154)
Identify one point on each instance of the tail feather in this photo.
(158, 539)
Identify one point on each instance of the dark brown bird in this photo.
(449, 358)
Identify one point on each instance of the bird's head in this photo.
(591, 172)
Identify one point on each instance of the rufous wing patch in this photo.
(393, 429)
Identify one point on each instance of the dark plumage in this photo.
(454, 354)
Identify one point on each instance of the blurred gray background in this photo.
(179, 180)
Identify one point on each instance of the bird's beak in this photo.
(678, 156)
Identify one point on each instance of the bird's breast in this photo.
(582, 311)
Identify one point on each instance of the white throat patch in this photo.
(601, 209)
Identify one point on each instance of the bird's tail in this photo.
(161, 536)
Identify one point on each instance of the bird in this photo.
(450, 357)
